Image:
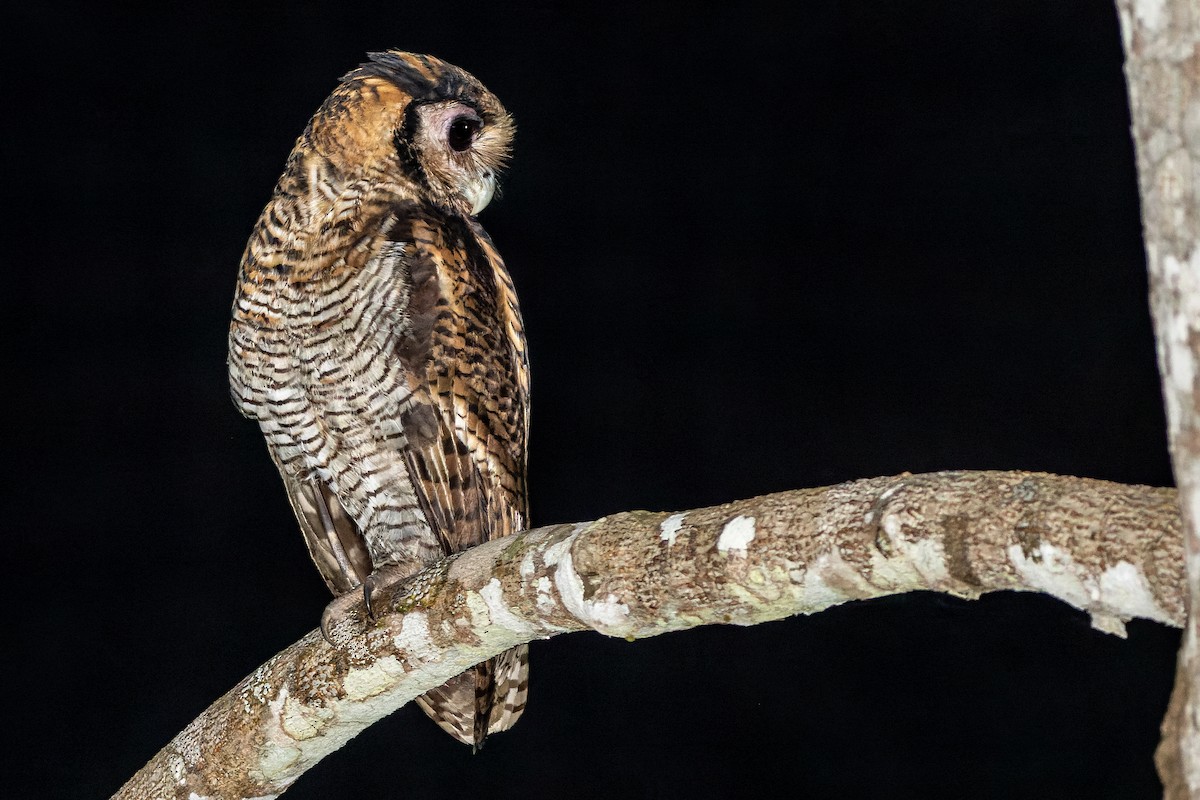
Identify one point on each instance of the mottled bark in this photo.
(1162, 67)
(1112, 550)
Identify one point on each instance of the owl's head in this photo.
(417, 124)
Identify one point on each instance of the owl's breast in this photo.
(332, 341)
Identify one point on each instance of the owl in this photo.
(377, 341)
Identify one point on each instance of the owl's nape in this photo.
(377, 340)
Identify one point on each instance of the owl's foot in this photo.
(346, 609)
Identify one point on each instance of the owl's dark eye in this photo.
(462, 132)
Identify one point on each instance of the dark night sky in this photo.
(756, 250)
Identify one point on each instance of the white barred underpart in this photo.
(341, 423)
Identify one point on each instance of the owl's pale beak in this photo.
(479, 192)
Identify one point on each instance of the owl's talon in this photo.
(339, 610)
(327, 626)
(368, 589)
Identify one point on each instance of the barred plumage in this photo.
(377, 340)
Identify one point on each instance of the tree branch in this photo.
(1112, 550)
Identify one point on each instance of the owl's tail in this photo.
(486, 699)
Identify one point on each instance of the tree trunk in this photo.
(1162, 68)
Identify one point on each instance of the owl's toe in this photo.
(368, 587)
(341, 613)
(345, 610)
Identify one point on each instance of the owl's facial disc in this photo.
(462, 126)
(459, 152)
(461, 147)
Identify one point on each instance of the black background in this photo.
(758, 248)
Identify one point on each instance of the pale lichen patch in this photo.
(817, 595)
(1117, 594)
(1123, 586)
(545, 596)
(493, 595)
(669, 528)
(748, 605)
(894, 574)
(554, 553)
(177, 767)
(569, 585)
(929, 557)
(814, 591)
(415, 639)
(1053, 571)
(375, 679)
(275, 761)
(301, 721)
(1181, 277)
(1150, 13)
(608, 611)
(763, 590)
(1107, 623)
(736, 536)
(481, 615)
(831, 580)
(926, 555)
